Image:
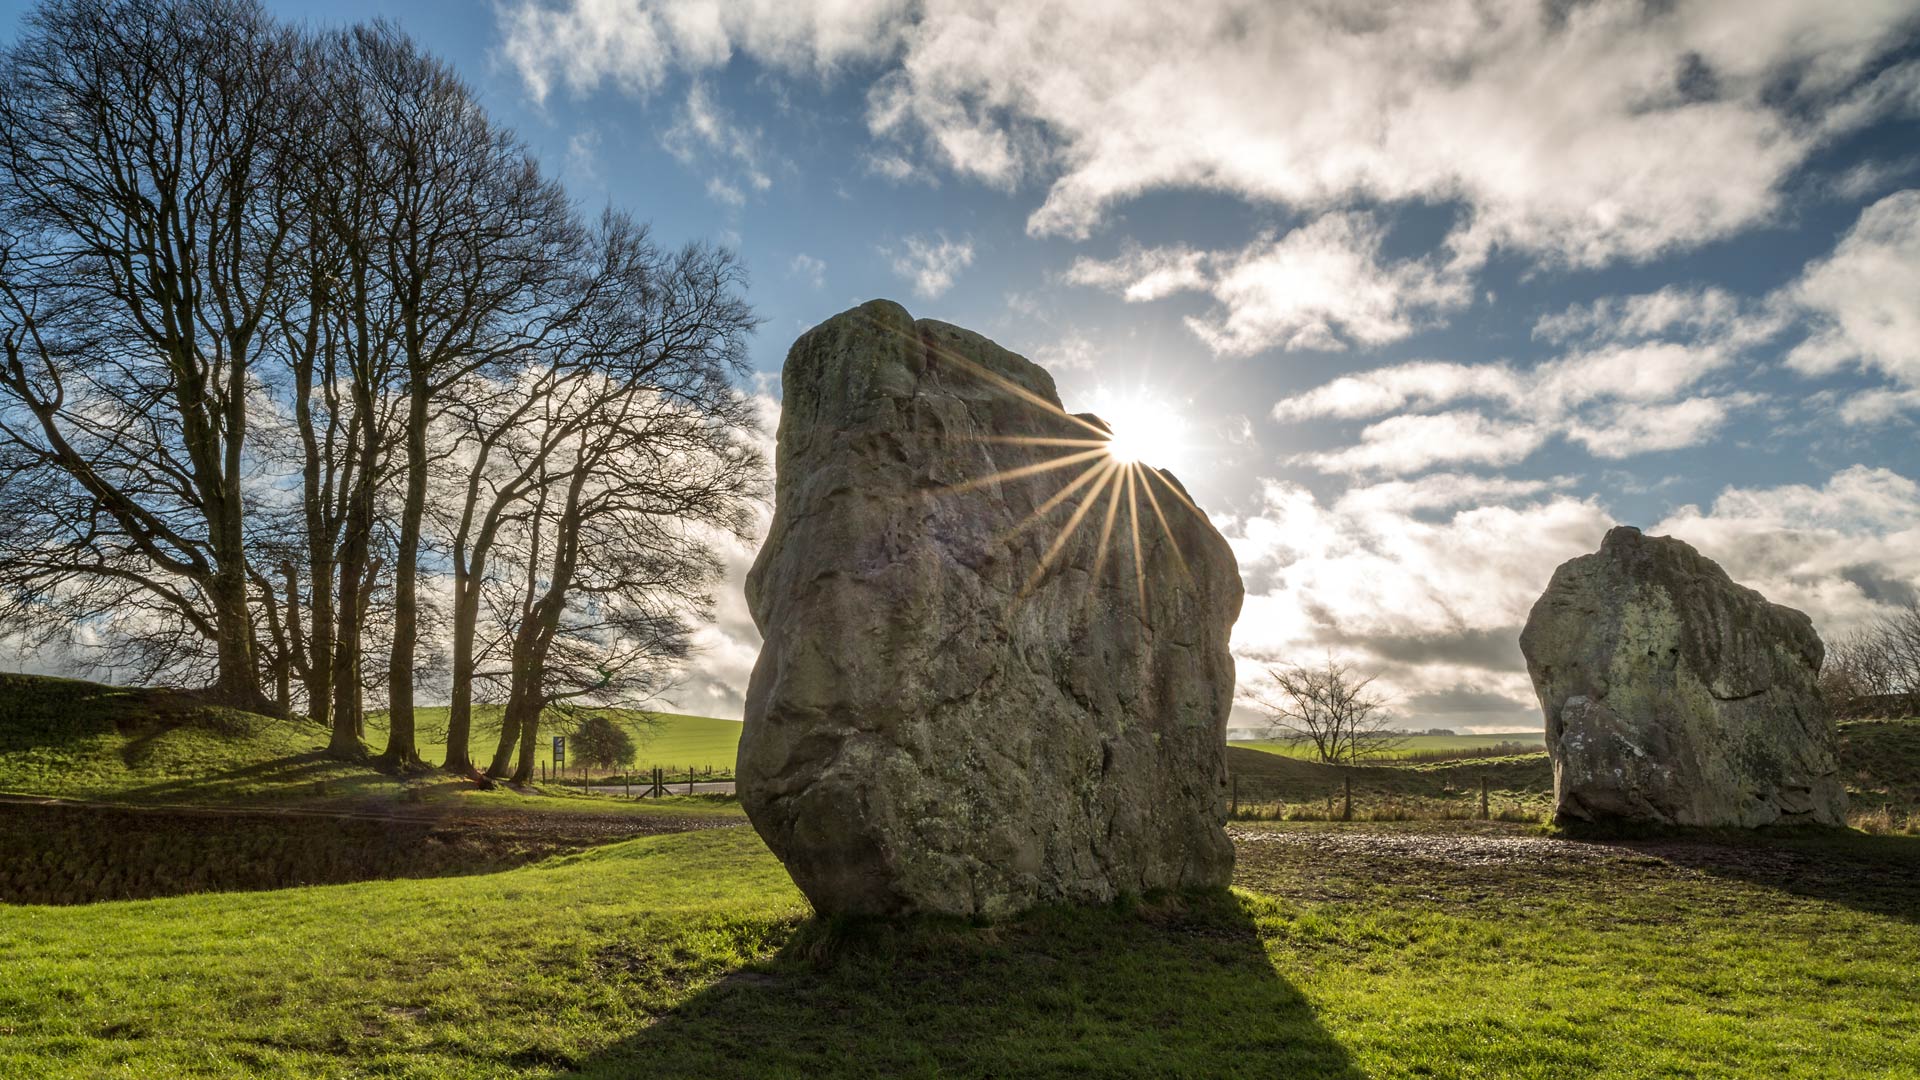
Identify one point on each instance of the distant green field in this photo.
(673, 741)
(1413, 744)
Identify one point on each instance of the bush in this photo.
(600, 742)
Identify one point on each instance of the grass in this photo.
(1433, 747)
(1415, 949)
(1346, 951)
(1879, 763)
(80, 740)
(673, 741)
(1268, 786)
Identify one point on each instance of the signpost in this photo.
(559, 752)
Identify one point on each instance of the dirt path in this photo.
(1494, 862)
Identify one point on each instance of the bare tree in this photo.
(644, 323)
(294, 336)
(472, 251)
(1876, 668)
(1329, 708)
(141, 245)
(613, 551)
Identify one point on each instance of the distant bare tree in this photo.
(1329, 708)
(1876, 667)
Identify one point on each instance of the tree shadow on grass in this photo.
(1173, 986)
(312, 774)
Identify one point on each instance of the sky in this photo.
(1417, 299)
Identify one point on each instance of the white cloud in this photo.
(1411, 443)
(1862, 298)
(1871, 177)
(1390, 389)
(1427, 582)
(1615, 399)
(583, 156)
(1707, 314)
(1316, 287)
(634, 44)
(705, 131)
(1075, 352)
(714, 682)
(1140, 274)
(1627, 429)
(1649, 372)
(1870, 408)
(1583, 133)
(931, 264)
(1844, 552)
(809, 269)
(898, 169)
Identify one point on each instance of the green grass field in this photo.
(1349, 951)
(673, 741)
(1411, 745)
(1453, 949)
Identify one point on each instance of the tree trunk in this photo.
(502, 764)
(401, 750)
(348, 719)
(529, 745)
(466, 615)
(237, 681)
(320, 640)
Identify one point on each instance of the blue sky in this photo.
(1419, 298)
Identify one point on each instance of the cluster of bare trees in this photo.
(1875, 670)
(315, 389)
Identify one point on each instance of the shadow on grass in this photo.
(1876, 874)
(308, 774)
(1177, 986)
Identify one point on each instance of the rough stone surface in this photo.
(922, 737)
(1675, 696)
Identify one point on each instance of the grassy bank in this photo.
(80, 740)
(1348, 951)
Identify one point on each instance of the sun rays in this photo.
(1101, 463)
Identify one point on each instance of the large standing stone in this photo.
(1674, 695)
(928, 727)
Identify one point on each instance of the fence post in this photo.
(1234, 810)
(1346, 812)
(1483, 798)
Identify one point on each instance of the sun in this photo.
(1119, 460)
(1146, 428)
(1127, 448)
